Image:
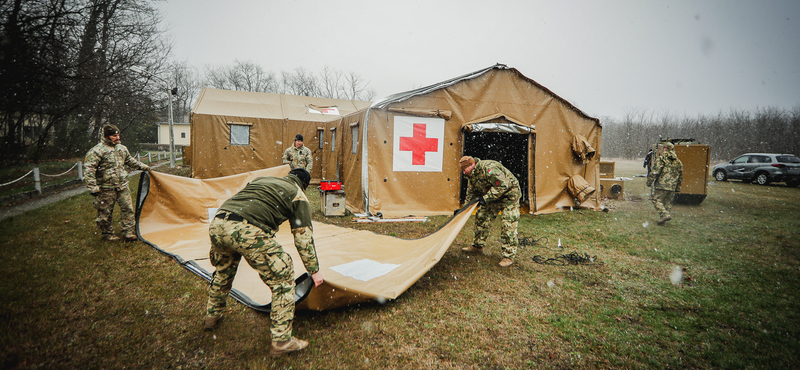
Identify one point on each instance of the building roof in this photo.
(273, 106)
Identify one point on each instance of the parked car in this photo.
(763, 168)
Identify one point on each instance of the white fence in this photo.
(157, 156)
(37, 175)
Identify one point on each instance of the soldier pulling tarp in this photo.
(173, 215)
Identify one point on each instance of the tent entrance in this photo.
(515, 150)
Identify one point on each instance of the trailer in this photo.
(696, 159)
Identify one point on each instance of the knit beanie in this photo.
(109, 130)
(301, 174)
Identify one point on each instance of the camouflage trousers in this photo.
(508, 204)
(662, 200)
(104, 204)
(232, 240)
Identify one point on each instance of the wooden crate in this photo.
(331, 202)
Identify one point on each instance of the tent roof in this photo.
(399, 97)
(271, 105)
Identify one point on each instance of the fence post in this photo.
(80, 170)
(37, 182)
(137, 157)
(149, 158)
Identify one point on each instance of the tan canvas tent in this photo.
(399, 156)
(238, 131)
(359, 266)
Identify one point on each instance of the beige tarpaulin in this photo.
(582, 149)
(579, 188)
(173, 215)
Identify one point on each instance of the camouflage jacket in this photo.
(666, 173)
(298, 157)
(105, 166)
(490, 180)
(278, 199)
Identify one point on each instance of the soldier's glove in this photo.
(482, 201)
(289, 158)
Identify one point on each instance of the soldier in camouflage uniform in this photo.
(107, 181)
(498, 190)
(665, 180)
(297, 155)
(245, 226)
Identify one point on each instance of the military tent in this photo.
(399, 156)
(234, 132)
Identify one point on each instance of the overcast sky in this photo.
(608, 58)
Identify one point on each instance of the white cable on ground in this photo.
(23, 176)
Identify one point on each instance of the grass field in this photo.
(70, 300)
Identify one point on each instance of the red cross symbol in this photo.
(419, 144)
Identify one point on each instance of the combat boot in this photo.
(131, 237)
(663, 220)
(292, 345)
(211, 322)
(505, 262)
(110, 237)
(472, 249)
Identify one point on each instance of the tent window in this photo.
(333, 141)
(183, 135)
(354, 134)
(321, 137)
(240, 134)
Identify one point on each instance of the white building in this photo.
(180, 130)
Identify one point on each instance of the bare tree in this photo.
(355, 88)
(242, 76)
(67, 67)
(300, 82)
(729, 134)
(330, 83)
(188, 84)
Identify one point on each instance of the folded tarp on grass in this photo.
(173, 215)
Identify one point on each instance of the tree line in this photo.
(767, 130)
(71, 66)
(65, 67)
